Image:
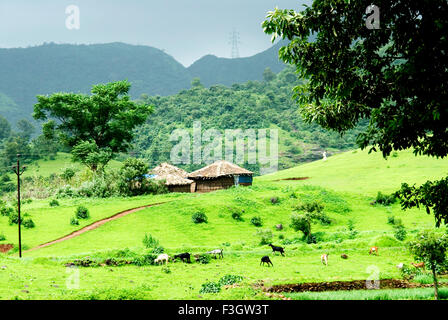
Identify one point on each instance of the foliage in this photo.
(67, 174)
(237, 214)
(74, 221)
(199, 217)
(28, 223)
(229, 279)
(54, 203)
(265, 236)
(97, 126)
(204, 258)
(210, 287)
(385, 200)
(400, 231)
(14, 218)
(82, 212)
(256, 221)
(391, 76)
(301, 222)
(2, 237)
(149, 241)
(275, 200)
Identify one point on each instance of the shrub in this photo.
(322, 218)
(400, 232)
(210, 287)
(385, 200)
(54, 203)
(302, 223)
(145, 260)
(166, 269)
(29, 223)
(2, 237)
(256, 221)
(149, 241)
(229, 279)
(68, 174)
(351, 228)
(158, 250)
(74, 221)
(14, 219)
(199, 217)
(6, 211)
(204, 258)
(265, 236)
(315, 237)
(82, 212)
(391, 220)
(310, 207)
(237, 215)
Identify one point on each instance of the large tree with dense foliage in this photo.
(395, 76)
(102, 122)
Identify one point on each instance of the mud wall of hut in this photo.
(184, 188)
(207, 185)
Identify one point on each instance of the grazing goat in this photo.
(373, 250)
(217, 252)
(183, 256)
(279, 249)
(324, 259)
(266, 259)
(344, 256)
(419, 265)
(162, 257)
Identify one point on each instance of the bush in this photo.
(145, 260)
(385, 200)
(204, 258)
(166, 269)
(302, 223)
(199, 217)
(6, 211)
(275, 200)
(351, 228)
(158, 250)
(14, 218)
(229, 279)
(265, 236)
(256, 221)
(54, 203)
(322, 218)
(400, 232)
(237, 215)
(391, 220)
(310, 207)
(210, 287)
(82, 213)
(149, 241)
(29, 223)
(68, 174)
(74, 221)
(2, 237)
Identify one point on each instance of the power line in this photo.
(235, 41)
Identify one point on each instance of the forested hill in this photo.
(254, 104)
(27, 72)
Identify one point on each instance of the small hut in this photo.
(175, 178)
(220, 175)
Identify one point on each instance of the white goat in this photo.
(324, 259)
(217, 252)
(162, 257)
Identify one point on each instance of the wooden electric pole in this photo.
(18, 171)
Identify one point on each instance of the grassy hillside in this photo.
(345, 184)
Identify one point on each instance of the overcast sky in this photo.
(185, 29)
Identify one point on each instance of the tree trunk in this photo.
(436, 286)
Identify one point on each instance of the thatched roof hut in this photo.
(220, 175)
(175, 178)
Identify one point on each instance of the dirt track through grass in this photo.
(94, 225)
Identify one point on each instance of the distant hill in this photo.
(49, 68)
(213, 70)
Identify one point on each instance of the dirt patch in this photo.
(294, 179)
(94, 225)
(343, 285)
(6, 247)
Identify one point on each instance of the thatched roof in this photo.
(217, 169)
(173, 176)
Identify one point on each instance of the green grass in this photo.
(345, 184)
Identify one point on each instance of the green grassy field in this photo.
(345, 184)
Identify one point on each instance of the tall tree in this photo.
(5, 128)
(105, 120)
(393, 72)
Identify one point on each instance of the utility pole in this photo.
(235, 41)
(18, 171)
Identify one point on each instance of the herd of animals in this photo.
(265, 260)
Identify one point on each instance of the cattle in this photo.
(324, 259)
(266, 260)
(275, 249)
(373, 250)
(185, 257)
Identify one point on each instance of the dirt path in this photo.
(94, 226)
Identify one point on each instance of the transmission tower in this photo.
(235, 41)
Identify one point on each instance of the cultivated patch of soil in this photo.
(94, 225)
(6, 247)
(343, 285)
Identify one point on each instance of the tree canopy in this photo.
(394, 76)
(105, 119)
